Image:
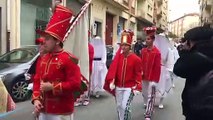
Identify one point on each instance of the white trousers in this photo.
(124, 98)
(45, 116)
(147, 91)
(98, 76)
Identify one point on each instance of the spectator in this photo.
(195, 64)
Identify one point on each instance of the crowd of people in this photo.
(56, 75)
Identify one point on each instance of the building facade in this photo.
(161, 14)
(206, 10)
(107, 19)
(145, 16)
(110, 17)
(151, 13)
(184, 23)
(25, 16)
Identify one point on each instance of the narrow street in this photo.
(104, 108)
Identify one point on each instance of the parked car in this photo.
(13, 66)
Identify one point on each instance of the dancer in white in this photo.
(167, 61)
(99, 66)
(175, 57)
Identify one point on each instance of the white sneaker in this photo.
(85, 103)
(97, 95)
(161, 106)
(76, 104)
(144, 105)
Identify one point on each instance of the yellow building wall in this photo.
(99, 8)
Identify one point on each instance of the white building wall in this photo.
(15, 6)
(3, 5)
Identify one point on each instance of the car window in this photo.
(18, 56)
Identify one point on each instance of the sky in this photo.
(177, 8)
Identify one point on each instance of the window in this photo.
(149, 8)
(97, 28)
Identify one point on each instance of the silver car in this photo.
(13, 66)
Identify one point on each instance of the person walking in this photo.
(151, 64)
(85, 98)
(30, 74)
(138, 47)
(164, 85)
(124, 76)
(99, 66)
(59, 76)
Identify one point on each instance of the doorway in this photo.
(109, 29)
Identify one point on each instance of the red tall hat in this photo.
(59, 23)
(126, 37)
(150, 30)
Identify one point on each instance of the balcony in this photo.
(132, 10)
(118, 4)
(140, 14)
(208, 4)
(160, 2)
(159, 14)
(145, 17)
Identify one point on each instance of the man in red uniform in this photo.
(30, 74)
(151, 64)
(127, 76)
(59, 76)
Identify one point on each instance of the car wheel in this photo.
(19, 90)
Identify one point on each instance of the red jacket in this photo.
(151, 64)
(61, 70)
(91, 56)
(128, 72)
